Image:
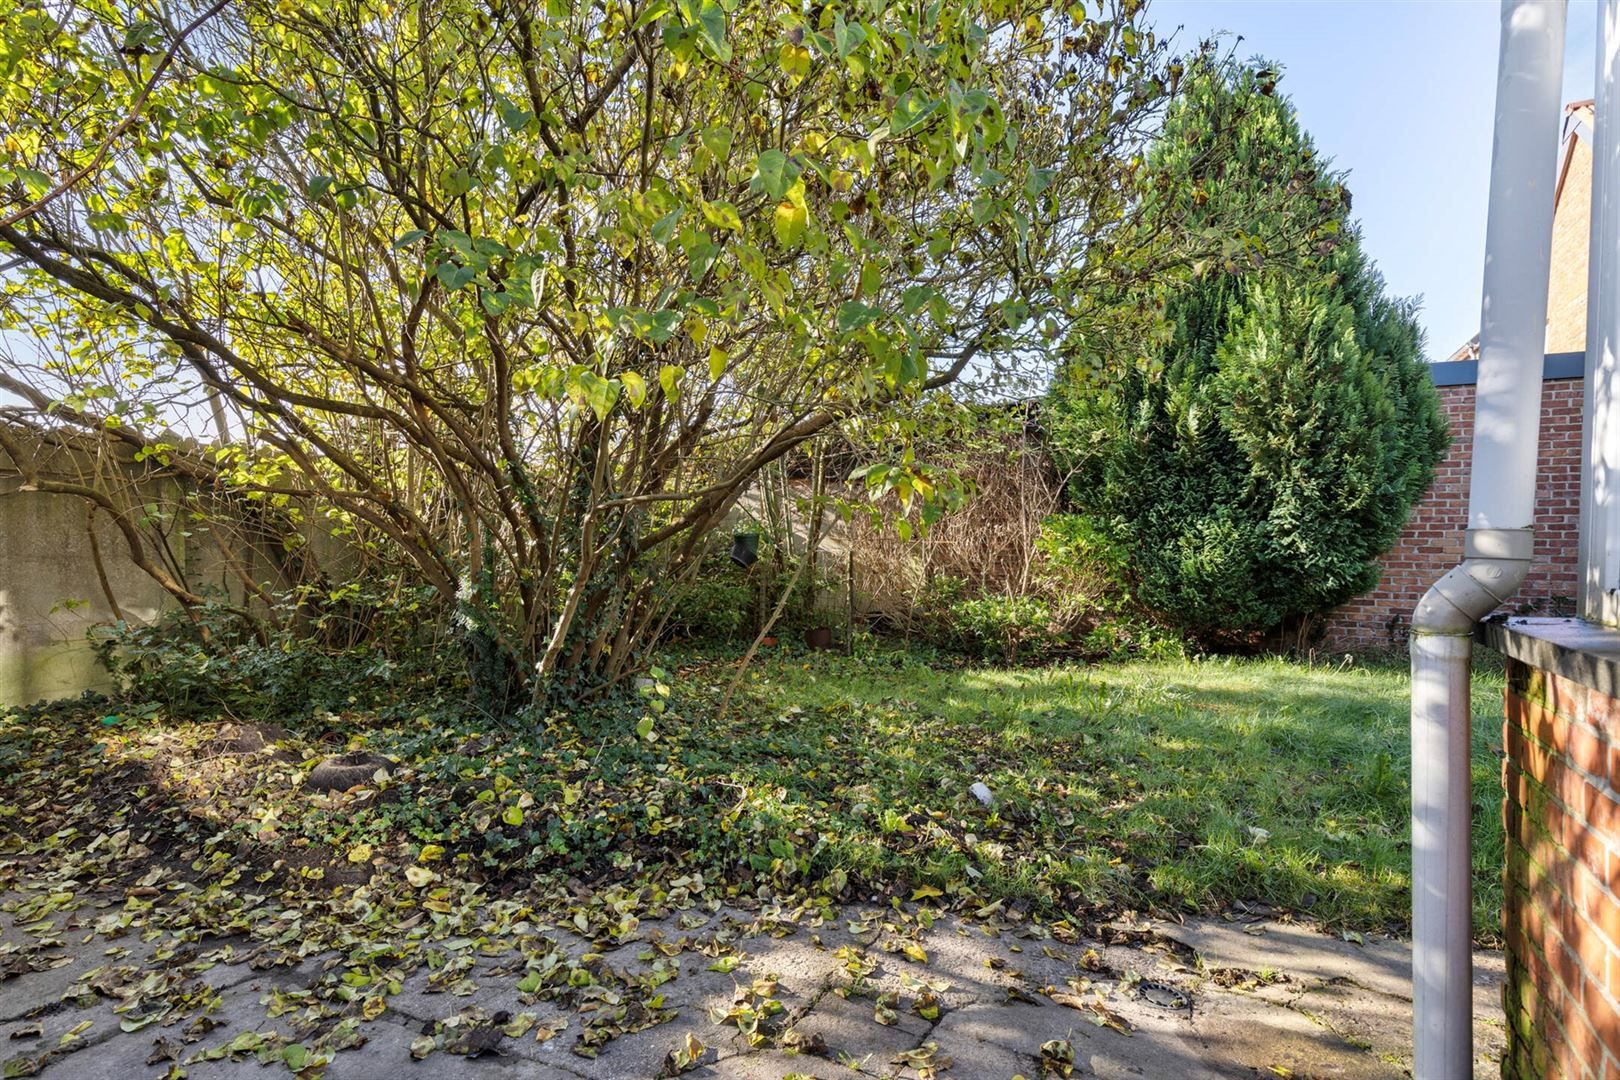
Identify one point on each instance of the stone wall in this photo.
(1561, 914)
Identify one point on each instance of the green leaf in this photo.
(455, 277)
(514, 118)
(871, 277)
(723, 215)
(529, 983)
(296, 1056)
(320, 185)
(513, 816)
(644, 727)
(712, 24)
(656, 327)
(852, 315)
(717, 141)
(599, 393)
(664, 228)
(911, 111)
(669, 378)
(847, 37)
(651, 14)
(795, 60)
(772, 171)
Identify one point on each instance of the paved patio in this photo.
(722, 993)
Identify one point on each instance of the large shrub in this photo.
(1267, 444)
(525, 298)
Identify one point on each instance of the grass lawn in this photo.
(1177, 785)
(1172, 786)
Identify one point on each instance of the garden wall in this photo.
(58, 581)
(1432, 541)
(50, 594)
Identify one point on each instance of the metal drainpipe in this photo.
(1497, 548)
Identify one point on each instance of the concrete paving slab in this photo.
(1340, 1010)
(1306, 953)
(773, 1065)
(1232, 1033)
(851, 1034)
(387, 1056)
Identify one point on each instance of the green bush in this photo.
(1266, 446)
(718, 605)
(1011, 627)
(354, 645)
(1075, 604)
(722, 602)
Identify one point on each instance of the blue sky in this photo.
(1399, 94)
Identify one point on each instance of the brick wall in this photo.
(1432, 541)
(1566, 284)
(1561, 915)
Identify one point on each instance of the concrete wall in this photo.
(52, 596)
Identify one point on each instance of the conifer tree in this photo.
(1267, 443)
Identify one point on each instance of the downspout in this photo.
(1600, 463)
(1497, 546)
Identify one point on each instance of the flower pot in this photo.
(745, 549)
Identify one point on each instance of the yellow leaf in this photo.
(420, 876)
(789, 223)
(795, 60)
(431, 852)
(360, 853)
(915, 951)
(717, 363)
(635, 388)
(924, 892)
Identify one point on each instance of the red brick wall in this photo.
(1432, 542)
(1561, 915)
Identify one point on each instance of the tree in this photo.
(1268, 444)
(523, 295)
